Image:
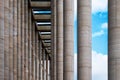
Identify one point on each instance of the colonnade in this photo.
(32, 50)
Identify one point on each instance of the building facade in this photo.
(36, 40)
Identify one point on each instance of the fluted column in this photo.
(10, 41)
(15, 39)
(23, 38)
(26, 40)
(68, 40)
(46, 66)
(114, 39)
(6, 39)
(2, 40)
(19, 40)
(84, 40)
(59, 40)
(29, 44)
(54, 40)
(40, 60)
(33, 50)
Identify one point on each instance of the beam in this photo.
(41, 4)
(42, 17)
(45, 37)
(44, 28)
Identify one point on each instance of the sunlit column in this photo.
(68, 40)
(59, 35)
(84, 40)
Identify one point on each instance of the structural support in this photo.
(84, 40)
(68, 40)
(59, 57)
(26, 40)
(15, 48)
(114, 40)
(23, 50)
(30, 45)
(6, 39)
(19, 41)
(10, 41)
(2, 40)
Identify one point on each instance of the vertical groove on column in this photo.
(113, 39)
(84, 40)
(26, 39)
(19, 41)
(15, 40)
(68, 40)
(59, 40)
(6, 39)
(2, 40)
(22, 53)
(10, 41)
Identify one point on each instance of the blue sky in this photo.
(99, 39)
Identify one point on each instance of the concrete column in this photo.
(54, 37)
(6, 39)
(15, 40)
(33, 52)
(53, 47)
(46, 66)
(114, 40)
(2, 40)
(37, 57)
(29, 44)
(43, 64)
(26, 40)
(19, 40)
(84, 40)
(40, 59)
(59, 40)
(68, 40)
(22, 30)
(10, 41)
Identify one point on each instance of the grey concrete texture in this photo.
(84, 40)
(2, 40)
(113, 40)
(59, 13)
(68, 40)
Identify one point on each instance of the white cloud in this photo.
(99, 66)
(75, 66)
(104, 25)
(99, 6)
(96, 34)
(75, 9)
